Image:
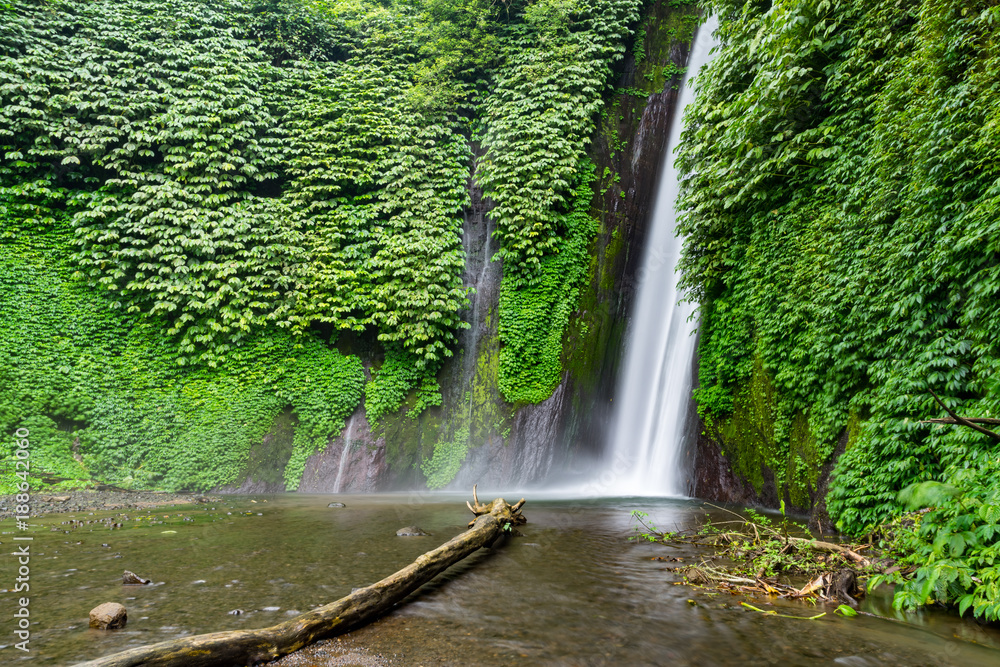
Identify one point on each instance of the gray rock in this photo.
(108, 616)
(133, 579)
(411, 531)
(336, 505)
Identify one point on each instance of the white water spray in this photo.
(653, 395)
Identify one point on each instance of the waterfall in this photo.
(344, 453)
(652, 400)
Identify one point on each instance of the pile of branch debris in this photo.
(754, 555)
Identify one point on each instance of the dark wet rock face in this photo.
(411, 531)
(715, 479)
(108, 616)
(362, 468)
(527, 456)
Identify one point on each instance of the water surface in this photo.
(572, 591)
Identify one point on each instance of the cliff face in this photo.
(515, 444)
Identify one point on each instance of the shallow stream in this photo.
(572, 591)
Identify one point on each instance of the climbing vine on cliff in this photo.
(538, 122)
(232, 172)
(103, 396)
(841, 207)
(533, 318)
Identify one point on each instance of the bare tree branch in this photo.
(962, 420)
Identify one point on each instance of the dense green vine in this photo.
(538, 123)
(841, 209)
(540, 119)
(234, 177)
(228, 193)
(446, 459)
(533, 318)
(103, 396)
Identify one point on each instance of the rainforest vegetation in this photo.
(842, 209)
(204, 204)
(198, 199)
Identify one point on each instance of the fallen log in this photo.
(252, 647)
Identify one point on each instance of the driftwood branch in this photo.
(830, 547)
(963, 421)
(250, 647)
(480, 509)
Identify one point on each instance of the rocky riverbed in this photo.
(93, 501)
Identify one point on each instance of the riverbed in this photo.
(573, 590)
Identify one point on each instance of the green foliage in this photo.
(646, 530)
(231, 187)
(539, 121)
(841, 206)
(393, 382)
(106, 388)
(534, 317)
(845, 610)
(447, 459)
(951, 553)
(190, 193)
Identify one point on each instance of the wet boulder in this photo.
(336, 505)
(411, 531)
(133, 579)
(108, 616)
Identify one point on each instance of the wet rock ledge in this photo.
(91, 501)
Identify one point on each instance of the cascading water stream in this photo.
(344, 453)
(653, 396)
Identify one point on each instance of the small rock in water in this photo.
(336, 505)
(271, 609)
(133, 579)
(235, 612)
(108, 616)
(411, 531)
(200, 581)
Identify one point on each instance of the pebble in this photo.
(332, 653)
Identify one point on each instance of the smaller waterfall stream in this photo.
(653, 394)
(344, 453)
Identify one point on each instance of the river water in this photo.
(573, 590)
